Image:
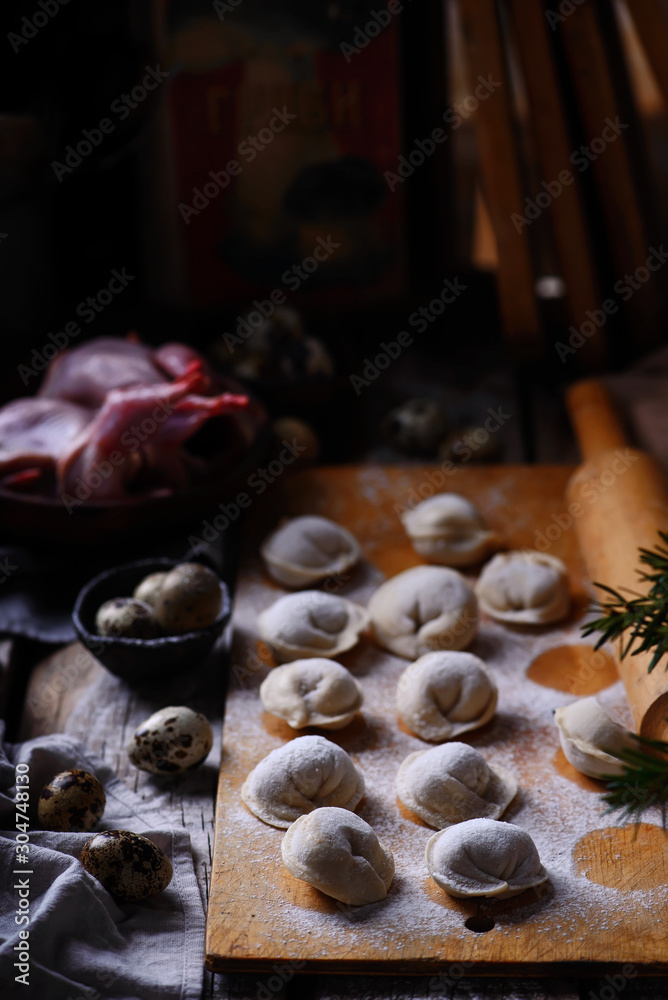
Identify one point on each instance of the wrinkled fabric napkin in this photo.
(82, 945)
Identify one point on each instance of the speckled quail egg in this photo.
(149, 588)
(173, 739)
(301, 434)
(416, 427)
(474, 444)
(73, 800)
(127, 618)
(130, 867)
(190, 598)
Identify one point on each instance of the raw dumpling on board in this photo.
(444, 694)
(453, 783)
(311, 623)
(424, 609)
(302, 775)
(484, 857)
(447, 529)
(307, 549)
(313, 692)
(586, 732)
(338, 852)
(524, 587)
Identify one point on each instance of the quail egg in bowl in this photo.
(128, 618)
(140, 660)
(189, 598)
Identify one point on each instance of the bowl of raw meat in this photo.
(122, 435)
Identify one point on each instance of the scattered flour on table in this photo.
(522, 737)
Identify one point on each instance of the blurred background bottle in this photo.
(278, 126)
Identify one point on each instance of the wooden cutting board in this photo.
(606, 898)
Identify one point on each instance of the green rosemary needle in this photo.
(641, 619)
(643, 782)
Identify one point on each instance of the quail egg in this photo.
(130, 867)
(171, 740)
(473, 444)
(127, 618)
(416, 427)
(190, 598)
(149, 588)
(302, 434)
(73, 800)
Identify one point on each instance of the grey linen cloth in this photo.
(82, 944)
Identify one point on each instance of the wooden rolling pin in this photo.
(624, 501)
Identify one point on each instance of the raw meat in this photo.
(34, 434)
(168, 412)
(112, 418)
(86, 374)
(175, 359)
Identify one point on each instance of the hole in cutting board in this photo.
(578, 669)
(480, 923)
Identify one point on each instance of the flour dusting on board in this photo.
(555, 805)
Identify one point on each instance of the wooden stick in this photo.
(553, 148)
(650, 20)
(623, 502)
(501, 175)
(612, 167)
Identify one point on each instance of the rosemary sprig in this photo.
(640, 621)
(642, 617)
(643, 782)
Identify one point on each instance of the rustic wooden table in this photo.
(70, 692)
(101, 711)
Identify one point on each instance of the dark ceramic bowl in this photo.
(31, 518)
(139, 660)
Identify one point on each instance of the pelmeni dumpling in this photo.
(483, 857)
(307, 549)
(424, 609)
(586, 731)
(313, 692)
(311, 623)
(524, 587)
(444, 694)
(338, 852)
(453, 783)
(447, 529)
(302, 775)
